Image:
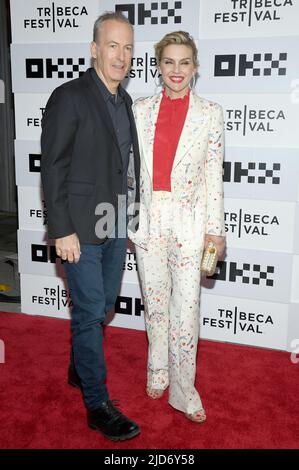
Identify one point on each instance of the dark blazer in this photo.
(81, 163)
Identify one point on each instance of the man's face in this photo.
(113, 52)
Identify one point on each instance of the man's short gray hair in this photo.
(108, 15)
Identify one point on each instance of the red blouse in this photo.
(170, 122)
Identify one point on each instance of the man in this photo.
(88, 129)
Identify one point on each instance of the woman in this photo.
(181, 194)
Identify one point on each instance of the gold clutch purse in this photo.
(209, 260)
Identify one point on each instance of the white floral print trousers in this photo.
(171, 290)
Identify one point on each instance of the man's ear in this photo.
(93, 49)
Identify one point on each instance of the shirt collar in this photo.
(107, 95)
(176, 101)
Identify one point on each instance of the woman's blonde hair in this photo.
(177, 37)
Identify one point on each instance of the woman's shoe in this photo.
(154, 393)
(197, 417)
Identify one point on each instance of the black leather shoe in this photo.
(111, 422)
(73, 378)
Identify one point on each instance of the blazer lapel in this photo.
(102, 111)
(192, 127)
(133, 125)
(148, 131)
(194, 122)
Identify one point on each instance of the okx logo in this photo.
(251, 172)
(245, 273)
(152, 13)
(242, 65)
(59, 68)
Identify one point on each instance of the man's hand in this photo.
(218, 241)
(68, 248)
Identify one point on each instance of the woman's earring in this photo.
(159, 82)
(192, 82)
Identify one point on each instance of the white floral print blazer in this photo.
(196, 177)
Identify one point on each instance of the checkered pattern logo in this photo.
(245, 65)
(252, 172)
(244, 273)
(152, 13)
(48, 68)
(257, 275)
(232, 65)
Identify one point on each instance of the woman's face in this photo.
(177, 69)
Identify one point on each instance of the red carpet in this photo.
(250, 394)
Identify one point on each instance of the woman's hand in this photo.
(218, 241)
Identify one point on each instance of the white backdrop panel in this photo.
(46, 66)
(260, 225)
(130, 268)
(29, 110)
(37, 256)
(244, 273)
(296, 244)
(143, 72)
(53, 21)
(152, 20)
(295, 279)
(252, 274)
(244, 321)
(249, 172)
(261, 173)
(49, 296)
(248, 65)
(249, 18)
(128, 308)
(43, 295)
(260, 121)
(28, 158)
(269, 120)
(32, 208)
(42, 68)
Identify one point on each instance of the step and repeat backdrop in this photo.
(248, 53)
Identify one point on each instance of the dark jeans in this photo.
(94, 284)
